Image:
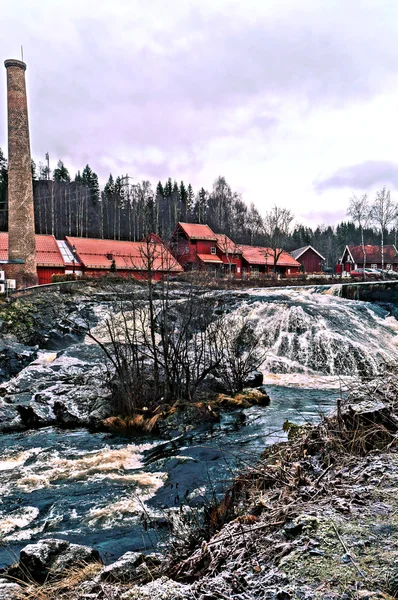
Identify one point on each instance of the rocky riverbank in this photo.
(316, 518)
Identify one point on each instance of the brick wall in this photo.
(21, 226)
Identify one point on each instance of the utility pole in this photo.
(48, 165)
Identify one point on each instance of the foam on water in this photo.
(307, 332)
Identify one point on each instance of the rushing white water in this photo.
(306, 332)
(94, 488)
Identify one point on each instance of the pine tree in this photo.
(168, 188)
(183, 194)
(190, 200)
(61, 173)
(91, 180)
(200, 209)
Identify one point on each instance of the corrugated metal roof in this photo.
(47, 251)
(226, 245)
(373, 254)
(258, 255)
(300, 251)
(209, 258)
(197, 231)
(133, 256)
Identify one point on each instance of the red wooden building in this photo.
(195, 244)
(94, 258)
(135, 259)
(48, 256)
(230, 254)
(309, 258)
(353, 258)
(258, 261)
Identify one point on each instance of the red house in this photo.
(258, 261)
(195, 244)
(135, 259)
(309, 258)
(230, 254)
(353, 258)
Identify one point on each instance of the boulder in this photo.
(159, 589)
(368, 413)
(9, 590)
(10, 419)
(255, 379)
(52, 557)
(124, 569)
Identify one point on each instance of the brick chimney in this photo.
(21, 220)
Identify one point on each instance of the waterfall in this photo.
(319, 333)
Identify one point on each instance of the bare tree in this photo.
(360, 212)
(383, 213)
(277, 223)
(242, 353)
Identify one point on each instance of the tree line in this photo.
(126, 209)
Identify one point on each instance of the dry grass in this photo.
(292, 478)
(60, 589)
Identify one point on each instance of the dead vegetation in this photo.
(317, 481)
(58, 588)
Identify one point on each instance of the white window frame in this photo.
(213, 250)
(373, 266)
(388, 267)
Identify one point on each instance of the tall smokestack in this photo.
(21, 220)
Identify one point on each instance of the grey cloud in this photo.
(323, 216)
(176, 88)
(361, 176)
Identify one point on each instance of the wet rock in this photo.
(155, 559)
(14, 356)
(255, 379)
(35, 415)
(10, 419)
(367, 413)
(51, 557)
(9, 590)
(65, 416)
(124, 569)
(160, 589)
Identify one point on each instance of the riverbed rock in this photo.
(62, 391)
(255, 379)
(9, 590)
(10, 419)
(124, 569)
(160, 589)
(367, 413)
(51, 557)
(14, 356)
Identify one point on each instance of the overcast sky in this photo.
(293, 101)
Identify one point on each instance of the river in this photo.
(113, 492)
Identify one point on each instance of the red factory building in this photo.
(196, 245)
(48, 256)
(309, 258)
(129, 258)
(94, 258)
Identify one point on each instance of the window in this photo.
(373, 266)
(388, 267)
(213, 250)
